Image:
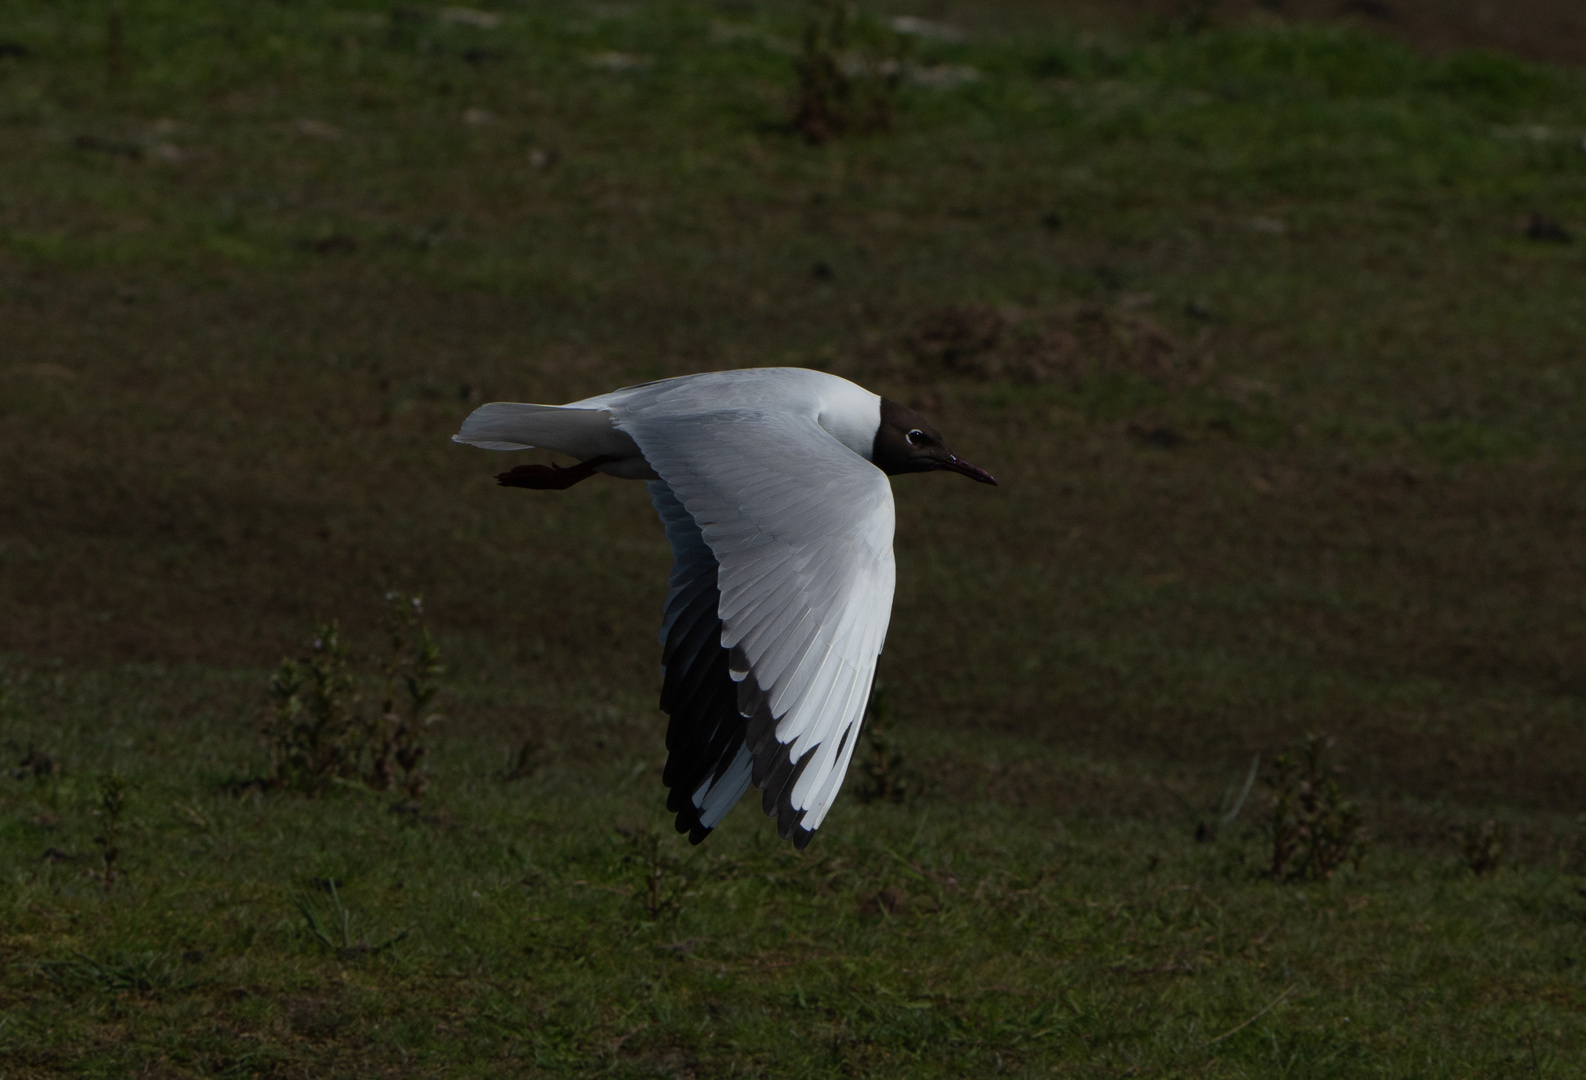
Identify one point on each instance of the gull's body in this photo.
(772, 484)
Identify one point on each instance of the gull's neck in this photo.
(852, 415)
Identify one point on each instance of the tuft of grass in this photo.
(332, 930)
(526, 760)
(136, 973)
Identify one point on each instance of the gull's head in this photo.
(906, 442)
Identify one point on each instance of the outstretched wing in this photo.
(800, 530)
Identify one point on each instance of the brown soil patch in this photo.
(1075, 340)
(1551, 30)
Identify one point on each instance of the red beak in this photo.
(974, 472)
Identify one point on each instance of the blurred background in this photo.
(1269, 317)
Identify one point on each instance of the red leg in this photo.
(551, 477)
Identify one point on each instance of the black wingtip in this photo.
(687, 820)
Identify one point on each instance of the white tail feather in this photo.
(511, 425)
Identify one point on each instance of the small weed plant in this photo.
(112, 804)
(313, 730)
(660, 886)
(320, 733)
(1314, 830)
(848, 74)
(1482, 845)
(412, 668)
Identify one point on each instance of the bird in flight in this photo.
(772, 485)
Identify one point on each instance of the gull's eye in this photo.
(916, 437)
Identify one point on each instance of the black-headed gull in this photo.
(772, 485)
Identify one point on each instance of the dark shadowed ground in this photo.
(1552, 30)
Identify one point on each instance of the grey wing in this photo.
(800, 528)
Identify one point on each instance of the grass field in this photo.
(1274, 335)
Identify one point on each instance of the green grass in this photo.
(254, 272)
(525, 939)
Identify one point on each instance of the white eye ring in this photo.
(915, 437)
